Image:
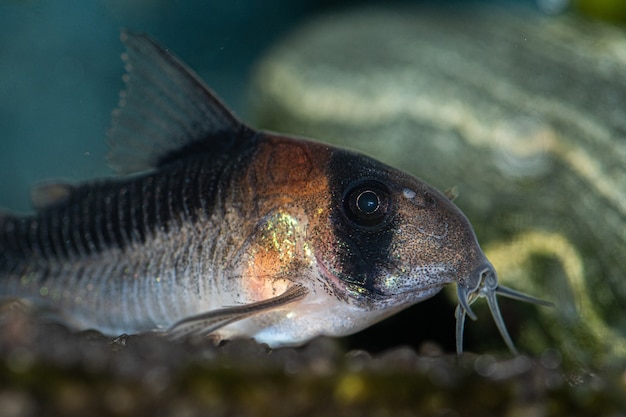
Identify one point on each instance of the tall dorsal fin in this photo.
(164, 109)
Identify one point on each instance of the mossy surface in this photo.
(45, 370)
(609, 10)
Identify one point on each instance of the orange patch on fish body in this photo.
(286, 182)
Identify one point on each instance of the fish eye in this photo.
(367, 203)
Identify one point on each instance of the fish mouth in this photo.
(488, 287)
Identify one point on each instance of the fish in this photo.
(212, 228)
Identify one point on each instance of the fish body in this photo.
(224, 230)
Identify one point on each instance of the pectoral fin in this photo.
(205, 323)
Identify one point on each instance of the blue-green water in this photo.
(60, 72)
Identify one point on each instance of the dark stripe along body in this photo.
(114, 214)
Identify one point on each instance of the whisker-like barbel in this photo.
(489, 288)
(463, 294)
(459, 313)
(497, 318)
(520, 296)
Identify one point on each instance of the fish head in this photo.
(374, 240)
(394, 241)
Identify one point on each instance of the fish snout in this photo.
(479, 283)
(484, 283)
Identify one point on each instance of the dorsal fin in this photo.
(48, 194)
(164, 109)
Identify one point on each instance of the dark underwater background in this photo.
(60, 76)
(60, 71)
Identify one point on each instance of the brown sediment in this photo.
(52, 372)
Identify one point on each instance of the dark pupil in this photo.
(367, 202)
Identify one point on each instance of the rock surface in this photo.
(524, 113)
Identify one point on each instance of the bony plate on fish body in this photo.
(219, 229)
